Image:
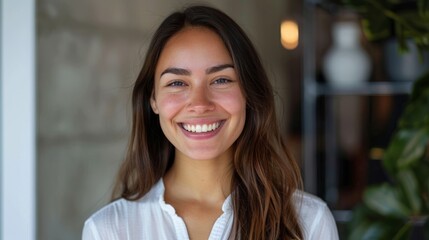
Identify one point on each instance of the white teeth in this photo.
(201, 128)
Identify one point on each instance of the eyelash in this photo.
(222, 81)
(219, 81)
(176, 84)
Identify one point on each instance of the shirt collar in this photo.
(160, 189)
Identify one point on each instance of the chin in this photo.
(204, 155)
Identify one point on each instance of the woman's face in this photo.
(197, 95)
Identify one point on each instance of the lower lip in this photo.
(202, 135)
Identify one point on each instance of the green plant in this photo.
(391, 210)
(402, 19)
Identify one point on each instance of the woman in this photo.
(205, 158)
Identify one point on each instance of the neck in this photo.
(200, 180)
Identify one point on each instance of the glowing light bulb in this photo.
(289, 33)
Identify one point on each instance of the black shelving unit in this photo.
(312, 92)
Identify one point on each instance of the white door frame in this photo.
(17, 118)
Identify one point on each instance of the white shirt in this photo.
(151, 218)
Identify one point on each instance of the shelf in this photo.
(369, 88)
(321, 151)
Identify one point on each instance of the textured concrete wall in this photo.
(89, 53)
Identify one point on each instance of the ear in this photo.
(153, 104)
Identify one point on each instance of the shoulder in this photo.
(316, 219)
(118, 211)
(306, 202)
(116, 219)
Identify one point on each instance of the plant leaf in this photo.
(416, 115)
(423, 7)
(401, 38)
(409, 184)
(414, 148)
(366, 230)
(420, 86)
(375, 25)
(403, 233)
(385, 200)
(395, 150)
(406, 148)
(421, 173)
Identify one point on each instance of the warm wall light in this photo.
(289, 33)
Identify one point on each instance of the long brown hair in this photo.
(265, 177)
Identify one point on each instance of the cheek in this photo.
(234, 103)
(169, 105)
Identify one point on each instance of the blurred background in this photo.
(89, 52)
(88, 56)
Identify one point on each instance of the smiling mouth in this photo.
(201, 128)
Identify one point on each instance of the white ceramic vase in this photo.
(346, 62)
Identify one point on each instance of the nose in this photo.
(200, 100)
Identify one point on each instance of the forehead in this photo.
(194, 47)
(192, 34)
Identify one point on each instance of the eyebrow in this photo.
(186, 72)
(218, 68)
(176, 71)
